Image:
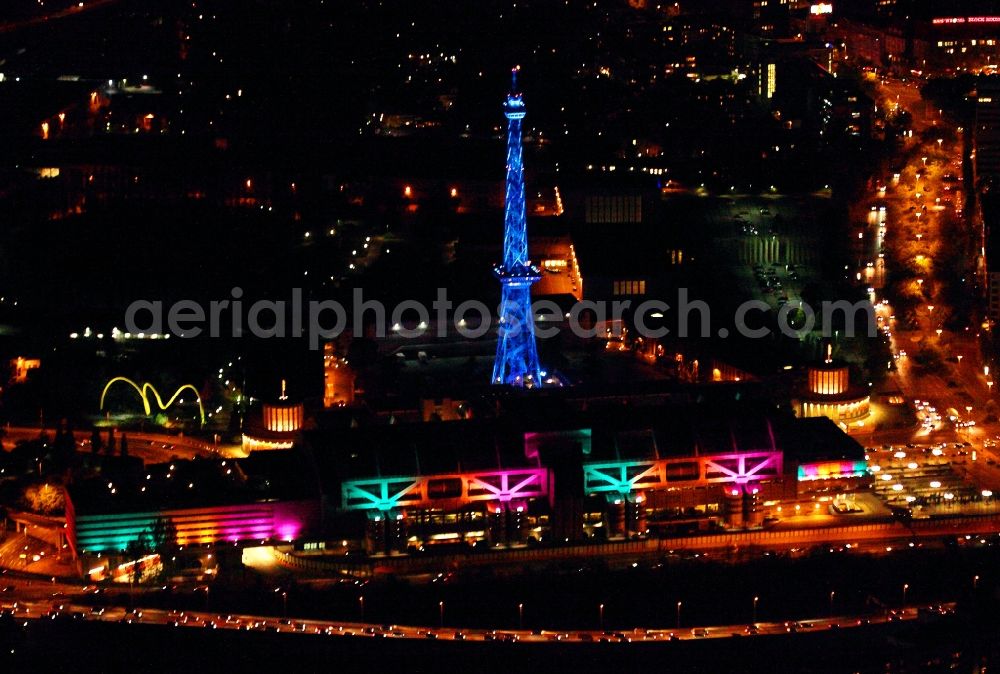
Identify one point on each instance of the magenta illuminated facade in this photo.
(496, 506)
(637, 474)
(577, 496)
(500, 487)
(270, 521)
(736, 468)
(832, 470)
(726, 488)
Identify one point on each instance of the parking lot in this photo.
(925, 480)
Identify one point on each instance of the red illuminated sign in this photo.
(966, 19)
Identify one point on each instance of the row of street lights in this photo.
(600, 607)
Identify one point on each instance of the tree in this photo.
(64, 447)
(136, 549)
(928, 358)
(164, 542)
(45, 499)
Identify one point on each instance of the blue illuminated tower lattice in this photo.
(517, 355)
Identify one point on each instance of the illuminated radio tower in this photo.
(517, 356)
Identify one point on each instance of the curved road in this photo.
(73, 10)
(150, 447)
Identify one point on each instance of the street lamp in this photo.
(755, 600)
(361, 602)
(975, 582)
(832, 592)
(441, 614)
(284, 604)
(520, 616)
(679, 614)
(924, 160)
(600, 613)
(940, 141)
(906, 586)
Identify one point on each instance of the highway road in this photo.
(56, 609)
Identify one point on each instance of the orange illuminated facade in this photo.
(338, 378)
(828, 393)
(559, 265)
(278, 426)
(828, 381)
(20, 367)
(283, 418)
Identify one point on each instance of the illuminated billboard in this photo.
(952, 20)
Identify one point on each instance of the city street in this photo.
(939, 370)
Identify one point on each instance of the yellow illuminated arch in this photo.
(146, 388)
